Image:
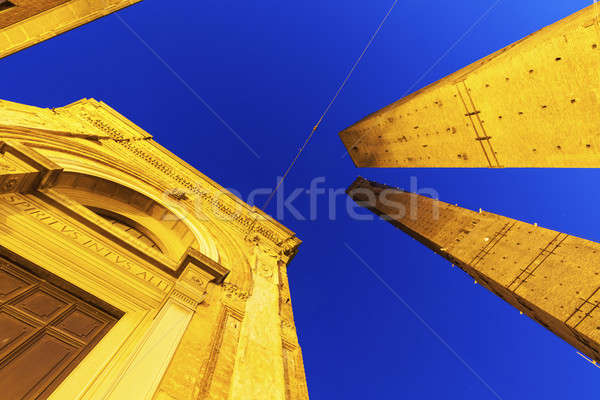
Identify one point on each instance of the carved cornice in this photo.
(177, 194)
(90, 119)
(197, 272)
(194, 259)
(248, 220)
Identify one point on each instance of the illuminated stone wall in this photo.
(201, 284)
(531, 104)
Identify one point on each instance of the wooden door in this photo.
(44, 333)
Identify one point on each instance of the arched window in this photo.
(133, 229)
(145, 220)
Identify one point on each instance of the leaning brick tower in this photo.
(532, 104)
(551, 276)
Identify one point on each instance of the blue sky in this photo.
(269, 69)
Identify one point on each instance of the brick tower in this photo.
(531, 104)
(24, 23)
(551, 276)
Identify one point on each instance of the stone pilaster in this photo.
(259, 371)
(295, 378)
(143, 375)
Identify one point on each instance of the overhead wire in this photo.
(334, 98)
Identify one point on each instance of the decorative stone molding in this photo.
(197, 272)
(234, 297)
(178, 194)
(288, 345)
(184, 299)
(93, 221)
(195, 258)
(265, 263)
(233, 291)
(243, 346)
(221, 360)
(38, 213)
(249, 220)
(91, 119)
(265, 247)
(147, 365)
(23, 169)
(5, 165)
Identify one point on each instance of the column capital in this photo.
(196, 272)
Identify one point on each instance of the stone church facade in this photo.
(127, 274)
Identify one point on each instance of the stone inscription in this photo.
(87, 241)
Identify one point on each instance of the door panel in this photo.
(31, 371)
(80, 325)
(11, 284)
(44, 333)
(40, 304)
(13, 332)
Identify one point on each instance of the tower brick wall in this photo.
(552, 277)
(24, 23)
(531, 104)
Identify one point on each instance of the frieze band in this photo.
(86, 241)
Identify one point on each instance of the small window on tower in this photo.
(5, 5)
